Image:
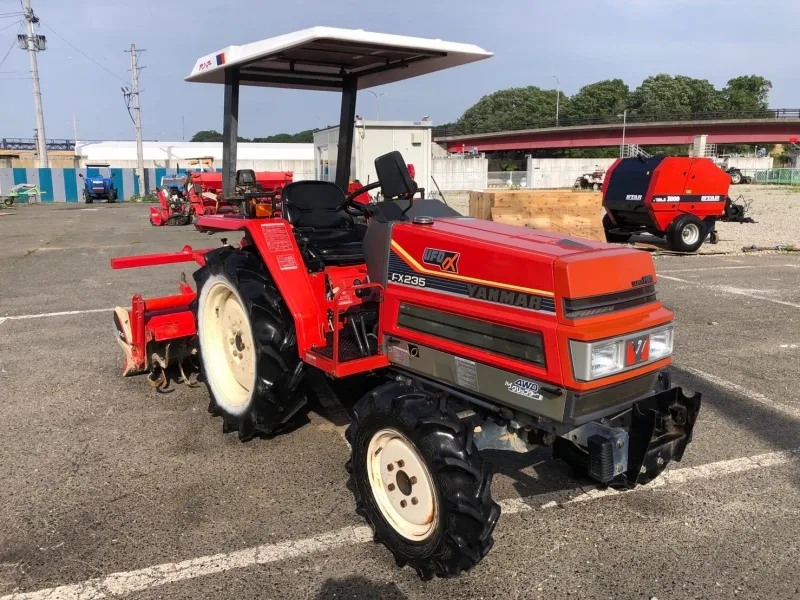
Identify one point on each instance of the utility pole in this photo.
(377, 103)
(624, 117)
(33, 44)
(558, 96)
(137, 110)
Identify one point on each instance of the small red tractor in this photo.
(466, 335)
(677, 198)
(200, 193)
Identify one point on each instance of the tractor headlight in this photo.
(661, 343)
(594, 360)
(606, 359)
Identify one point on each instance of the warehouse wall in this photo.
(65, 185)
(303, 169)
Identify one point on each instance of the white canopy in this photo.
(321, 58)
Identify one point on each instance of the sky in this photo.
(533, 40)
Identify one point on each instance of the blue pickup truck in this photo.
(99, 188)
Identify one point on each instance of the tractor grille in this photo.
(498, 339)
(607, 303)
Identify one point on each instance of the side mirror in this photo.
(80, 175)
(393, 174)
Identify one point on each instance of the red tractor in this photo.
(200, 193)
(463, 335)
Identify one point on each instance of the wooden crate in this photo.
(569, 212)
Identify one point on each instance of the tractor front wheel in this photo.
(248, 346)
(8, 201)
(419, 480)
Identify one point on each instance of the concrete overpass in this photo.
(663, 133)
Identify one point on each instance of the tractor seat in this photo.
(312, 207)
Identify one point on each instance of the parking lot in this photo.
(112, 489)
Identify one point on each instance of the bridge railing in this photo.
(772, 113)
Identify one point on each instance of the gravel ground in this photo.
(776, 210)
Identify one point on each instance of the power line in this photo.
(11, 25)
(74, 47)
(13, 43)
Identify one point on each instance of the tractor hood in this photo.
(520, 267)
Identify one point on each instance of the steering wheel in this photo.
(356, 209)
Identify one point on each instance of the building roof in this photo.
(320, 58)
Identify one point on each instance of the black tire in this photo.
(87, 198)
(736, 177)
(460, 479)
(179, 220)
(613, 237)
(686, 233)
(274, 398)
(8, 201)
(112, 196)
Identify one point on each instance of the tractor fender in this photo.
(276, 244)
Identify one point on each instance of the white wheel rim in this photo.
(226, 342)
(401, 485)
(690, 234)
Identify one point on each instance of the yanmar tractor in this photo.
(466, 334)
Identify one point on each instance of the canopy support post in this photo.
(346, 130)
(230, 131)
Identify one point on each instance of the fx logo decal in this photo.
(637, 350)
(444, 259)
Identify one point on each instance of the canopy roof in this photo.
(321, 58)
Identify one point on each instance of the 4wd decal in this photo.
(446, 260)
(526, 388)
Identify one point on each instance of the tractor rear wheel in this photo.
(419, 480)
(686, 233)
(248, 345)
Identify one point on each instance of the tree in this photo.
(703, 96)
(207, 135)
(604, 98)
(513, 108)
(306, 136)
(748, 92)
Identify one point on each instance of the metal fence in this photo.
(774, 176)
(507, 179)
(632, 117)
